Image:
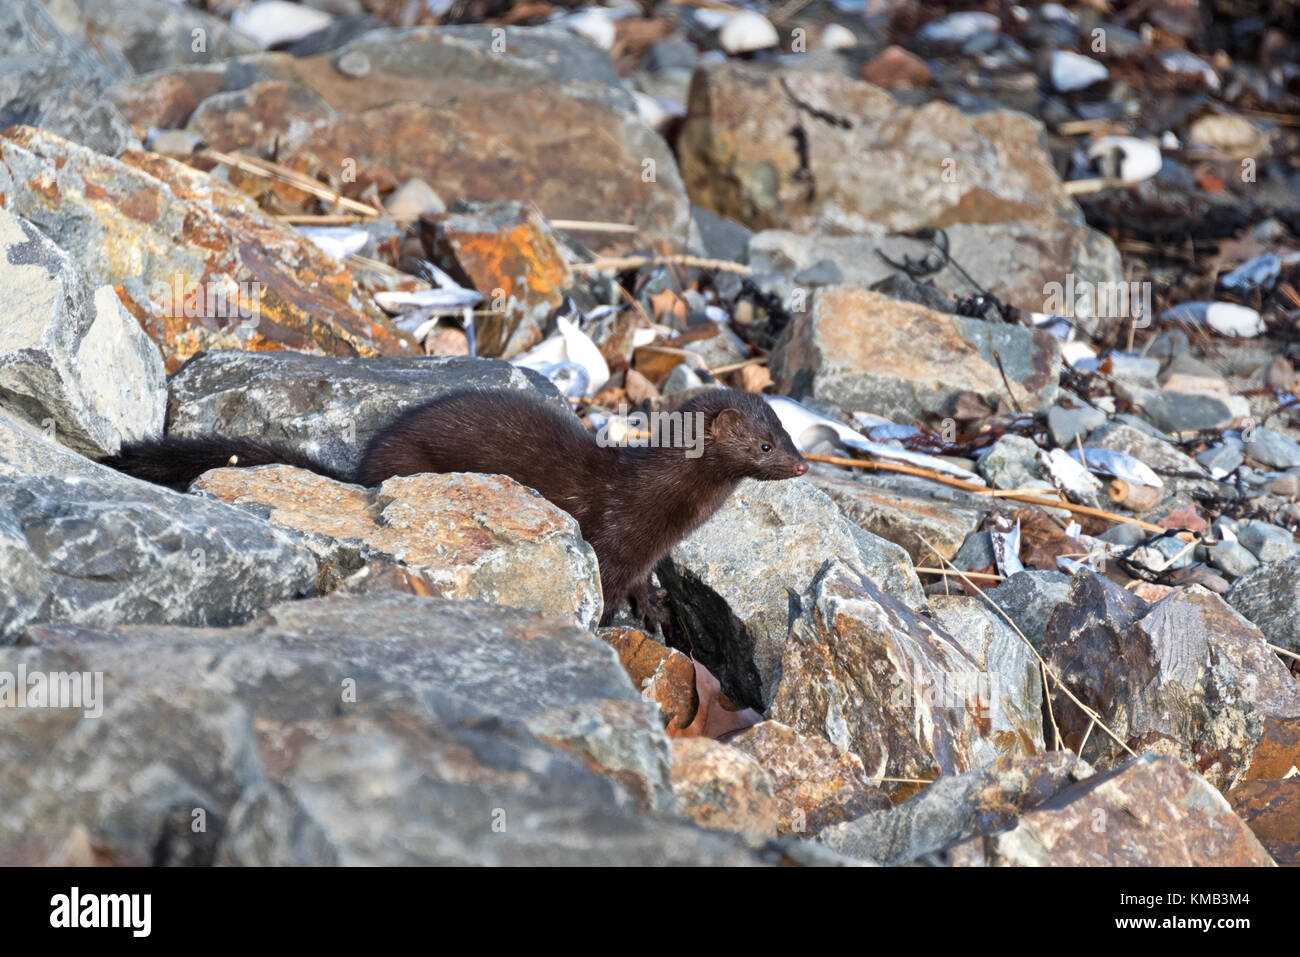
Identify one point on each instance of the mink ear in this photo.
(726, 423)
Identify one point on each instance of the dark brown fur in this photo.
(632, 504)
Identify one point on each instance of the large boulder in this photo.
(198, 265)
(864, 352)
(473, 536)
(1150, 812)
(864, 671)
(1185, 676)
(345, 730)
(739, 624)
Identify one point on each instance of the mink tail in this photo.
(176, 462)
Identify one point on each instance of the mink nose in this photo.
(800, 467)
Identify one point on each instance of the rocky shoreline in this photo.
(1042, 573)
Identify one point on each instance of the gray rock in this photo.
(384, 730)
(873, 677)
(1066, 425)
(721, 238)
(47, 79)
(1029, 598)
(1179, 412)
(737, 157)
(1269, 597)
(1176, 553)
(1186, 676)
(72, 361)
(956, 807)
(681, 379)
(81, 543)
(1268, 543)
(64, 97)
(1012, 462)
(911, 512)
(148, 35)
(471, 536)
(739, 625)
(823, 272)
(1125, 365)
(1273, 449)
(1010, 259)
(1151, 811)
(1223, 458)
(1011, 681)
(328, 406)
(976, 552)
(861, 351)
(1124, 534)
(1232, 559)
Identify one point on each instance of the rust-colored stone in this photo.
(1272, 810)
(815, 783)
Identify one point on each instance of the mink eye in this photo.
(766, 447)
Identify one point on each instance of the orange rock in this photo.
(507, 252)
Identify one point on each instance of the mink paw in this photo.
(651, 605)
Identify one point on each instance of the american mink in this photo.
(632, 504)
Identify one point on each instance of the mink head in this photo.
(745, 438)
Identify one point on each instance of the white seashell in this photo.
(1121, 465)
(1077, 351)
(269, 23)
(1230, 319)
(571, 345)
(807, 428)
(648, 109)
(1225, 318)
(1139, 160)
(1180, 61)
(838, 37)
(592, 24)
(1068, 475)
(959, 27)
(1070, 71)
(746, 32)
(337, 242)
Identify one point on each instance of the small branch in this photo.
(636, 262)
(1014, 496)
(260, 167)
